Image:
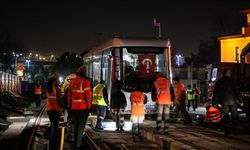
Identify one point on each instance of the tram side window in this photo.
(106, 70)
(88, 65)
(96, 68)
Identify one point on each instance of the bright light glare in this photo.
(61, 79)
(111, 126)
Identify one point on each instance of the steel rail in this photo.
(90, 142)
(35, 127)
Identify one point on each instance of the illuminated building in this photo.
(233, 46)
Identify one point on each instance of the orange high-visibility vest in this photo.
(38, 89)
(51, 101)
(213, 115)
(80, 94)
(137, 98)
(179, 89)
(162, 86)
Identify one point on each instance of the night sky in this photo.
(56, 27)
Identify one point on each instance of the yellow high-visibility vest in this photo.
(190, 94)
(98, 98)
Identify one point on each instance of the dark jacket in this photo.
(105, 95)
(226, 92)
(118, 100)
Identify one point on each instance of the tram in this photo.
(134, 62)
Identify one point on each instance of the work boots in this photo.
(121, 129)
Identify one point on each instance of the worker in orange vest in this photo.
(54, 107)
(162, 93)
(38, 93)
(180, 98)
(79, 100)
(213, 115)
(138, 99)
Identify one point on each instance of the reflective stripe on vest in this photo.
(137, 107)
(52, 97)
(78, 101)
(213, 115)
(38, 90)
(80, 90)
(98, 98)
(162, 86)
(190, 94)
(51, 101)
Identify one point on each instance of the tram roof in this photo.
(129, 42)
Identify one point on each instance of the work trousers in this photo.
(80, 118)
(196, 101)
(193, 104)
(163, 113)
(101, 114)
(136, 129)
(181, 107)
(119, 118)
(227, 122)
(137, 121)
(38, 100)
(54, 117)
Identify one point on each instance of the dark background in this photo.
(59, 26)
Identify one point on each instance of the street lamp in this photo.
(15, 61)
(28, 64)
(179, 60)
(158, 24)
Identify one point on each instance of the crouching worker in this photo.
(138, 99)
(212, 117)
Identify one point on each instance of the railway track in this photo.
(91, 142)
(35, 127)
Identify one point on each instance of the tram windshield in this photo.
(140, 67)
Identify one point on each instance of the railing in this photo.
(9, 83)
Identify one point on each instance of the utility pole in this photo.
(158, 24)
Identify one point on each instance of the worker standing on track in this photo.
(100, 100)
(227, 96)
(118, 104)
(54, 107)
(197, 94)
(67, 110)
(191, 97)
(79, 100)
(180, 98)
(38, 93)
(138, 99)
(162, 93)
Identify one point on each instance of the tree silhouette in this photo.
(8, 45)
(68, 62)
